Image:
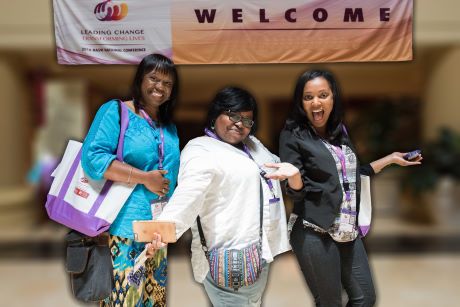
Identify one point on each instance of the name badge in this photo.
(345, 219)
(275, 208)
(346, 228)
(274, 200)
(157, 205)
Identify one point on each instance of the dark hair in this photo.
(234, 99)
(299, 118)
(164, 65)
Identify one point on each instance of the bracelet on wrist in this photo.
(129, 176)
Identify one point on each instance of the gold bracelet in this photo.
(130, 173)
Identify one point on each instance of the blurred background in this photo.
(414, 244)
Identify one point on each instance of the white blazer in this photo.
(221, 184)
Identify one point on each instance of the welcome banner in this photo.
(237, 31)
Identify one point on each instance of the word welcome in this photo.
(290, 15)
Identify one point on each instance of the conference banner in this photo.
(229, 32)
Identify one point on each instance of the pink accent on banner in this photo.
(74, 58)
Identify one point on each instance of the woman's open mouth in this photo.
(318, 115)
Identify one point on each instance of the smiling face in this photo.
(317, 103)
(156, 88)
(229, 131)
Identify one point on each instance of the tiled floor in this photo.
(402, 281)
(413, 265)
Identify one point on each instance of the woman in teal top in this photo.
(154, 95)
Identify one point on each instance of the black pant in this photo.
(327, 265)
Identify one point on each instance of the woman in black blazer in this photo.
(325, 189)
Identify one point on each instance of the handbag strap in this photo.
(200, 229)
(124, 121)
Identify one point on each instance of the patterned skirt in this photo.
(152, 290)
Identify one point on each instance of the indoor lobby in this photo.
(414, 242)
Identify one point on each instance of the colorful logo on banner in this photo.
(108, 11)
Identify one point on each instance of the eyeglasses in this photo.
(235, 117)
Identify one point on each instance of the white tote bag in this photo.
(365, 206)
(80, 203)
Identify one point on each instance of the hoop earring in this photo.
(212, 124)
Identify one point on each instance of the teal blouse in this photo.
(140, 150)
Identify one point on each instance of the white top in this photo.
(221, 184)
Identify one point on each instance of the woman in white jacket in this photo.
(220, 182)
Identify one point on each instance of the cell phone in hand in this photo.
(412, 155)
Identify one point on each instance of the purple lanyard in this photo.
(161, 146)
(346, 183)
(246, 151)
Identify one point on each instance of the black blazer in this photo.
(319, 200)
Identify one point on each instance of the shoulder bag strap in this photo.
(202, 239)
(261, 220)
(124, 121)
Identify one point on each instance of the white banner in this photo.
(238, 31)
(111, 31)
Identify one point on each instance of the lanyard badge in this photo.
(274, 200)
(346, 184)
(157, 205)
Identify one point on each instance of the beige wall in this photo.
(26, 25)
(436, 22)
(15, 133)
(442, 98)
(15, 127)
(268, 81)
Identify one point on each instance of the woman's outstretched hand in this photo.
(282, 171)
(285, 171)
(398, 158)
(395, 158)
